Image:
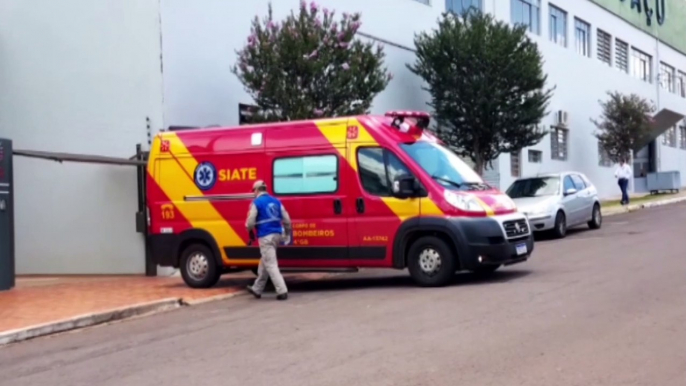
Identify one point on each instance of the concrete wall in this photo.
(78, 76)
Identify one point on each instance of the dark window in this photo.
(558, 25)
(568, 184)
(681, 84)
(515, 163)
(534, 187)
(682, 137)
(582, 31)
(578, 182)
(535, 156)
(460, 6)
(622, 55)
(558, 144)
(377, 168)
(605, 47)
(528, 13)
(667, 77)
(641, 65)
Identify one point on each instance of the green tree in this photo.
(486, 83)
(310, 65)
(624, 126)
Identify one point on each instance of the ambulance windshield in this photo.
(442, 164)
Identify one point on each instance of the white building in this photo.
(90, 77)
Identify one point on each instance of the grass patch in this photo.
(641, 199)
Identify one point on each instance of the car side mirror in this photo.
(570, 192)
(404, 187)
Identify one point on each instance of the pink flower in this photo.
(303, 3)
(341, 36)
(355, 25)
(326, 12)
(318, 112)
(312, 55)
(345, 15)
(270, 24)
(345, 66)
(343, 45)
(317, 23)
(313, 6)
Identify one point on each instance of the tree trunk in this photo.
(479, 165)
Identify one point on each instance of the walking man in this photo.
(622, 174)
(265, 218)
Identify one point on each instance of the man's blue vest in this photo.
(268, 215)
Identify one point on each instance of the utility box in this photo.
(6, 216)
(663, 181)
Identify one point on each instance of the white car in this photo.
(557, 201)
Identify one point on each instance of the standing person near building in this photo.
(623, 174)
(269, 219)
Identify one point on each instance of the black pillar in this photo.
(142, 215)
(7, 271)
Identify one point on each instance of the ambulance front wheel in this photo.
(199, 267)
(431, 262)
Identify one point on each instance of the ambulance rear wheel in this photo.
(431, 262)
(199, 267)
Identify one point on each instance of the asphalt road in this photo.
(603, 307)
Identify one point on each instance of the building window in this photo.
(682, 137)
(558, 25)
(527, 12)
(306, 175)
(603, 156)
(680, 84)
(667, 77)
(535, 156)
(582, 32)
(622, 55)
(516, 164)
(377, 168)
(605, 47)
(459, 7)
(669, 137)
(641, 65)
(558, 144)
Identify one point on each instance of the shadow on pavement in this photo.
(399, 280)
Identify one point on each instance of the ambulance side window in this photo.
(377, 168)
(306, 175)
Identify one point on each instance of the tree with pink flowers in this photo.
(310, 65)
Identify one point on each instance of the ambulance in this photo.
(362, 192)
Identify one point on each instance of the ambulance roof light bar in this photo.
(421, 118)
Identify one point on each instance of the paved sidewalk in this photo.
(43, 300)
(612, 207)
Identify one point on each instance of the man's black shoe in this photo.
(252, 291)
(282, 296)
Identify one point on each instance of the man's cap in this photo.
(259, 184)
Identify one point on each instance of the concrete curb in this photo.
(215, 298)
(88, 320)
(633, 208)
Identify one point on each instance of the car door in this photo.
(570, 202)
(585, 198)
(378, 214)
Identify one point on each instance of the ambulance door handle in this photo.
(337, 206)
(360, 205)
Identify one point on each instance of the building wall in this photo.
(582, 81)
(78, 76)
(200, 39)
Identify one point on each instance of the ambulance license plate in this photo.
(521, 249)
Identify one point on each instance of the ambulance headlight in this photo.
(465, 202)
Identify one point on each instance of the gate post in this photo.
(7, 267)
(142, 215)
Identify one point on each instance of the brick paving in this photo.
(39, 300)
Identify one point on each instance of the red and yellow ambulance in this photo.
(365, 191)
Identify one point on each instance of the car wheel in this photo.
(596, 219)
(431, 262)
(560, 230)
(199, 267)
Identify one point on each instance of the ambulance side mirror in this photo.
(405, 187)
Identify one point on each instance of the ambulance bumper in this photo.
(492, 240)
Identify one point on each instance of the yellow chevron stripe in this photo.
(176, 180)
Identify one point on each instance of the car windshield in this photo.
(443, 165)
(534, 187)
